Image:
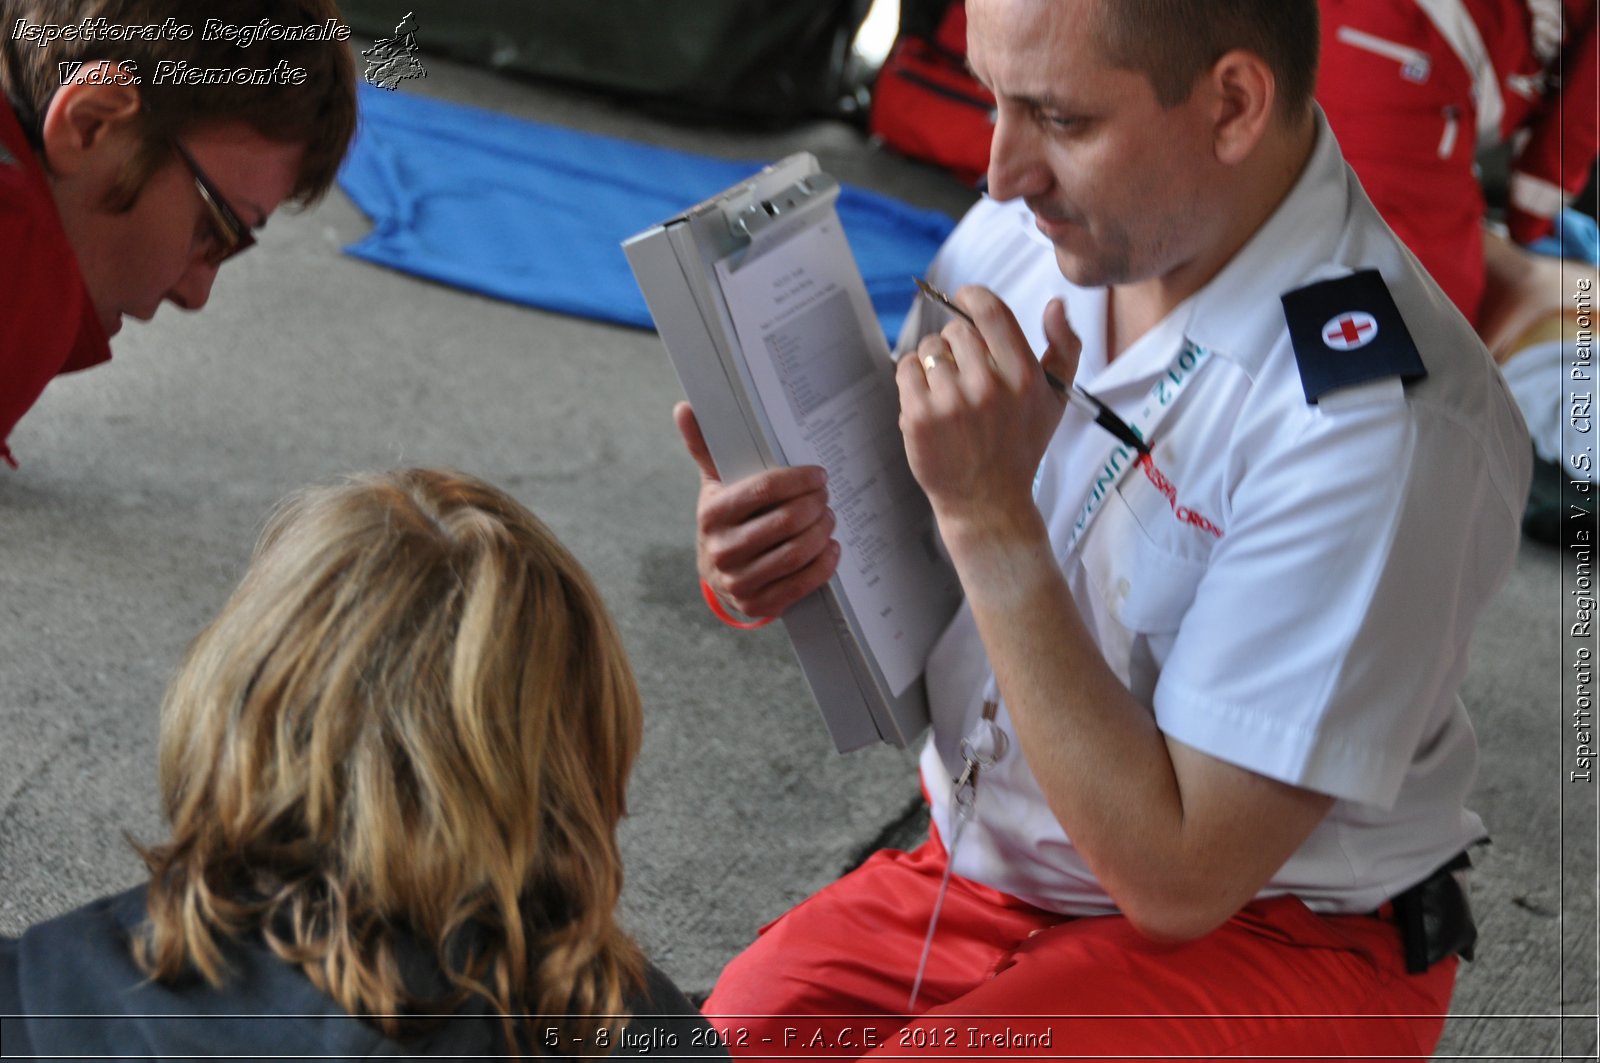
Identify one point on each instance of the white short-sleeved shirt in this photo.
(1317, 631)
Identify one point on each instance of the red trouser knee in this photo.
(832, 978)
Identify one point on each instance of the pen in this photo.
(1086, 403)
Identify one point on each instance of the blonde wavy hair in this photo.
(413, 722)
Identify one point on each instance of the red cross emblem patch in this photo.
(1350, 331)
(1337, 345)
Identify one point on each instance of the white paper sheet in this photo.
(819, 363)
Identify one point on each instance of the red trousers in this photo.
(832, 977)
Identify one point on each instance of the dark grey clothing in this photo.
(68, 987)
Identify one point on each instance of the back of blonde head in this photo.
(413, 721)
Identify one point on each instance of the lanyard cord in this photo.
(933, 920)
(986, 745)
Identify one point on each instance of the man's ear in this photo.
(1245, 94)
(84, 121)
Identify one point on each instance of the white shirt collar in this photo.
(1238, 314)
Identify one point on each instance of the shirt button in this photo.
(1123, 587)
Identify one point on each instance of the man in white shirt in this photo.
(1212, 693)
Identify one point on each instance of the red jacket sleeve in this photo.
(1556, 162)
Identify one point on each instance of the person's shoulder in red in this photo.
(48, 323)
(121, 190)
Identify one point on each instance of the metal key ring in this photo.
(1000, 745)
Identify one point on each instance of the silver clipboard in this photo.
(674, 264)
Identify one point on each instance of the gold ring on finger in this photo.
(931, 361)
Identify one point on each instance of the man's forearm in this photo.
(1180, 840)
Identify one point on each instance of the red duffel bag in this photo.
(927, 105)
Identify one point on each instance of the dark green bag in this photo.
(774, 59)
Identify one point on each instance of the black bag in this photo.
(771, 59)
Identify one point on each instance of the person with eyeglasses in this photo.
(121, 190)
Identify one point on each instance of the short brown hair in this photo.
(319, 112)
(1174, 42)
(413, 721)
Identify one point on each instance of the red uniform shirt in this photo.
(48, 323)
(1413, 90)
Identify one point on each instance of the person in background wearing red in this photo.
(1417, 93)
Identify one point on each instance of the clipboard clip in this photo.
(763, 214)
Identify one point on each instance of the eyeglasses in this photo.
(231, 234)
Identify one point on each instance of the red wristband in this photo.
(720, 611)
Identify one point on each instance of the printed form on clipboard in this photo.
(767, 321)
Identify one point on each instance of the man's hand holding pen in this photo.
(977, 410)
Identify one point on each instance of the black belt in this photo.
(1435, 918)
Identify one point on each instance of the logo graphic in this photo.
(1170, 493)
(1350, 331)
(393, 59)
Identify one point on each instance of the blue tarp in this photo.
(536, 214)
(1576, 236)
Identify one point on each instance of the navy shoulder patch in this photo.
(1348, 331)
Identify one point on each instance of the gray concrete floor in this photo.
(144, 483)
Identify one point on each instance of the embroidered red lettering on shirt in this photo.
(1170, 493)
